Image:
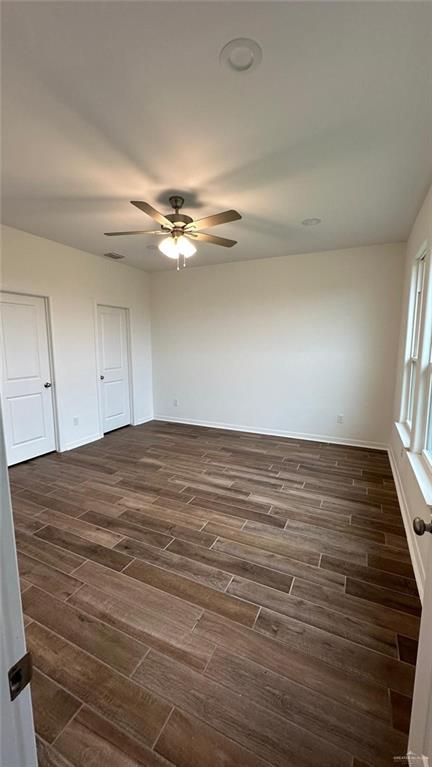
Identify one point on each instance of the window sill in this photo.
(404, 434)
(419, 464)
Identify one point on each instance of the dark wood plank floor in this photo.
(205, 598)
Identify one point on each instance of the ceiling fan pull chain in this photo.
(184, 260)
(178, 263)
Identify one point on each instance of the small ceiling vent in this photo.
(114, 256)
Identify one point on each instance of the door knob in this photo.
(421, 527)
(47, 385)
(102, 378)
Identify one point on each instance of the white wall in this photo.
(282, 345)
(74, 282)
(407, 468)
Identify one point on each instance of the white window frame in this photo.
(412, 346)
(427, 449)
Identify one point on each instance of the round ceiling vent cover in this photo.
(241, 55)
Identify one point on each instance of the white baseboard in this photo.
(140, 421)
(80, 442)
(94, 437)
(274, 432)
(413, 547)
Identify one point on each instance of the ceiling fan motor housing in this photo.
(179, 218)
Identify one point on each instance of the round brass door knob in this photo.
(421, 527)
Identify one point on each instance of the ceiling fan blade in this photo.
(137, 231)
(218, 218)
(153, 213)
(202, 237)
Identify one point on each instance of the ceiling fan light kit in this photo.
(181, 230)
(174, 247)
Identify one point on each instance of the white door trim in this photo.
(127, 311)
(51, 356)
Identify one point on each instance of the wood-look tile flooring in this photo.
(204, 598)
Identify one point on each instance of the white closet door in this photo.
(26, 377)
(113, 367)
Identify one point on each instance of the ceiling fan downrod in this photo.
(176, 201)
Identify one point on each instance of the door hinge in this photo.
(20, 675)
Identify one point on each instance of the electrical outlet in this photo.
(340, 418)
(176, 403)
(76, 421)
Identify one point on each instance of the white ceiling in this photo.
(104, 102)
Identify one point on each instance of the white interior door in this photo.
(113, 367)
(17, 740)
(420, 737)
(26, 377)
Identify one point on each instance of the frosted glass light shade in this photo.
(185, 246)
(173, 247)
(169, 247)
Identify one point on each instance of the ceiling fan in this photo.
(182, 230)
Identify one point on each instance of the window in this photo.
(416, 405)
(411, 373)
